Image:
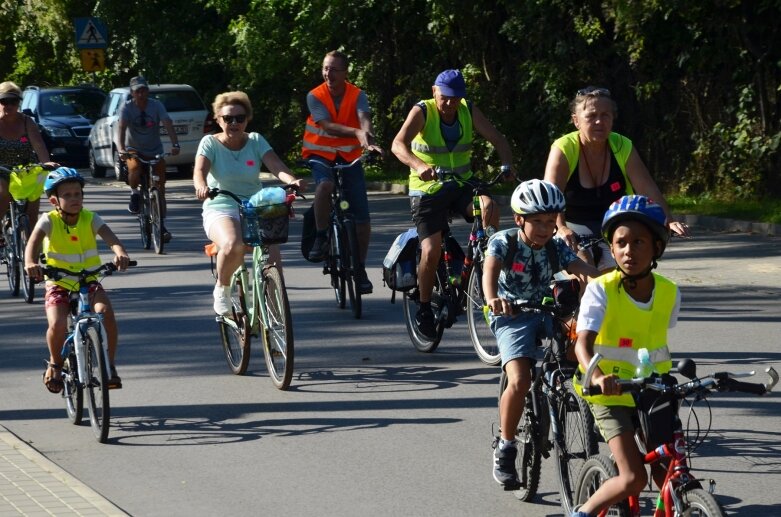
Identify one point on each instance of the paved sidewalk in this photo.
(31, 485)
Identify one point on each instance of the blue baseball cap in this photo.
(451, 83)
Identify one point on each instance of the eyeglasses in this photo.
(593, 91)
(9, 101)
(230, 119)
(327, 69)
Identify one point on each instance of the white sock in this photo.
(506, 444)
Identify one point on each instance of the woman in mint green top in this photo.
(231, 161)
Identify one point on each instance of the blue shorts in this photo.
(519, 335)
(353, 183)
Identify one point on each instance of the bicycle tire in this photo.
(335, 268)
(73, 392)
(278, 334)
(156, 220)
(235, 330)
(419, 341)
(354, 263)
(595, 471)
(528, 462)
(699, 502)
(483, 339)
(144, 221)
(576, 440)
(12, 262)
(97, 384)
(28, 284)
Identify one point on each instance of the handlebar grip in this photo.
(745, 387)
(594, 389)
(132, 263)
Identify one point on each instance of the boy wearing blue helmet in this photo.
(67, 235)
(620, 312)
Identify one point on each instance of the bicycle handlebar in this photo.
(720, 381)
(443, 175)
(106, 269)
(133, 153)
(367, 157)
(214, 192)
(28, 166)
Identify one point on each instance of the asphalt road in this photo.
(369, 425)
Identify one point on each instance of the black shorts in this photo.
(430, 212)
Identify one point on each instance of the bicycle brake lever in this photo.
(770, 384)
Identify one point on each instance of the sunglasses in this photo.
(238, 119)
(9, 101)
(593, 91)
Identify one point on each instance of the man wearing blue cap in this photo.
(438, 135)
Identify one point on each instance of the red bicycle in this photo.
(681, 493)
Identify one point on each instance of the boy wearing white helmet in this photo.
(67, 235)
(519, 266)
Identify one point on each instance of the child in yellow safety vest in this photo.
(67, 235)
(621, 312)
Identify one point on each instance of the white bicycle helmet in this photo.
(537, 197)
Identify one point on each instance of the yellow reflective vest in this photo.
(71, 247)
(625, 329)
(429, 145)
(621, 147)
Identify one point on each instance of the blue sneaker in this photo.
(505, 472)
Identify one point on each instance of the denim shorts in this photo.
(353, 183)
(519, 335)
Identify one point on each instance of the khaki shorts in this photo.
(613, 420)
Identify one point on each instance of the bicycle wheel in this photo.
(353, 262)
(144, 220)
(528, 462)
(699, 502)
(278, 333)
(156, 220)
(12, 261)
(235, 331)
(28, 284)
(73, 392)
(335, 268)
(97, 384)
(595, 471)
(482, 338)
(574, 438)
(419, 340)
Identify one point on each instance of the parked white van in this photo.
(190, 117)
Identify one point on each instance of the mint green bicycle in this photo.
(258, 296)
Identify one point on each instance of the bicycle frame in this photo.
(81, 320)
(256, 300)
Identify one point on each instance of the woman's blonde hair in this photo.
(229, 98)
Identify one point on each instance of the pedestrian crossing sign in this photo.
(90, 33)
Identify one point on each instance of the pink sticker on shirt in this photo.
(23, 140)
(250, 163)
(518, 267)
(615, 187)
(625, 342)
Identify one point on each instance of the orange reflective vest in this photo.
(317, 141)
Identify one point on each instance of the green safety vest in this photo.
(429, 146)
(71, 248)
(621, 146)
(625, 329)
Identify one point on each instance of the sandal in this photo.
(114, 382)
(53, 383)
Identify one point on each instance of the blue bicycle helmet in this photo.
(61, 175)
(636, 208)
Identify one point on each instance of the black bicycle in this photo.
(151, 214)
(554, 416)
(456, 270)
(343, 259)
(26, 183)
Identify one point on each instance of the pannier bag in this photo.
(399, 266)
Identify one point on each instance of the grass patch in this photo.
(766, 211)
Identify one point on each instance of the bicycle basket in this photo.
(266, 224)
(26, 183)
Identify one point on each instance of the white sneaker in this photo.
(222, 301)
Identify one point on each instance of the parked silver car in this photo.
(190, 116)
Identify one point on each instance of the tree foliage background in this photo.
(698, 84)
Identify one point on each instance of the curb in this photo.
(717, 224)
